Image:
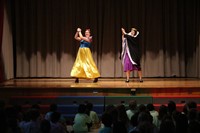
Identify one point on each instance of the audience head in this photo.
(171, 107)
(188, 106)
(132, 104)
(142, 108)
(150, 107)
(106, 120)
(110, 108)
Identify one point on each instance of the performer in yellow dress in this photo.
(84, 66)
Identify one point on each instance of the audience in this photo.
(115, 119)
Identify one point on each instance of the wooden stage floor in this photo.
(108, 83)
(104, 87)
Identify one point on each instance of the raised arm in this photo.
(123, 31)
(76, 36)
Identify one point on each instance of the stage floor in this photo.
(108, 83)
(104, 87)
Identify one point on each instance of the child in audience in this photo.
(93, 115)
(81, 120)
(107, 123)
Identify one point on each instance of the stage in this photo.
(104, 87)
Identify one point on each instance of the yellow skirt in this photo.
(84, 66)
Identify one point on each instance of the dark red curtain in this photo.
(1, 36)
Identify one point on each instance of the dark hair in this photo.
(132, 104)
(106, 120)
(171, 107)
(142, 108)
(150, 107)
(81, 108)
(88, 30)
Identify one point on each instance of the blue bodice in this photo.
(84, 44)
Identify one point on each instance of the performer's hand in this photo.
(123, 31)
(78, 29)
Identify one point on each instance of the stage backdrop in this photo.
(44, 44)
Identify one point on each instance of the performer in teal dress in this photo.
(84, 66)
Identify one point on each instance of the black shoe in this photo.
(141, 80)
(127, 81)
(77, 80)
(95, 80)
